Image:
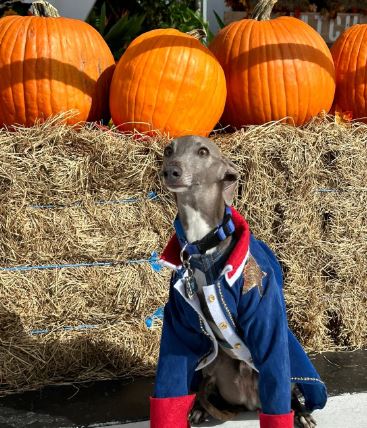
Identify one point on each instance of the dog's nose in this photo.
(172, 172)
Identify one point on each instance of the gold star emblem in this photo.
(253, 276)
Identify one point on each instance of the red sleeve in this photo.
(277, 421)
(171, 412)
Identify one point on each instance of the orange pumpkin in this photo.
(167, 81)
(50, 65)
(350, 57)
(275, 68)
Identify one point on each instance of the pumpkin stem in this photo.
(262, 10)
(43, 8)
(198, 34)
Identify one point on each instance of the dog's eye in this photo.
(168, 151)
(203, 151)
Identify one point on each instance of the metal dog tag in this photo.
(189, 281)
(190, 286)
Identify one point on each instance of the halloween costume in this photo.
(247, 305)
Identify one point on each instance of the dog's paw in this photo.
(304, 420)
(198, 415)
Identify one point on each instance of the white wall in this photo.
(217, 5)
(78, 9)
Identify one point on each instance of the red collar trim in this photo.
(236, 261)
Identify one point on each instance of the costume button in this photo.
(211, 298)
(237, 345)
(223, 325)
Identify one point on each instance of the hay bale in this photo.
(36, 306)
(53, 163)
(85, 233)
(319, 236)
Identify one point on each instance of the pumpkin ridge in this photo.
(351, 82)
(58, 102)
(270, 70)
(96, 68)
(48, 82)
(197, 119)
(7, 38)
(201, 116)
(347, 82)
(266, 88)
(360, 99)
(307, 110)
(284, 51)
(162, 74)
(330, 72)
(10, 19)
(276, 52)
(155, 45)
(258, 31)
(218, 76)
(152, 60)
(342, 40)
(89, 69)
(235, 100)
(231, 78)
(202, 113)
(14, 76)
(110, 66)
(365, 77)
(31, 104)
(292, 53)
(127, 94)
(65, 76)
(179, 88)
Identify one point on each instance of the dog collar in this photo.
(210, 240)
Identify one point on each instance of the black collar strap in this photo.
(211, 240)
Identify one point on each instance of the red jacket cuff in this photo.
(277, 421)
(171, 412)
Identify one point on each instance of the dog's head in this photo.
(193, 162)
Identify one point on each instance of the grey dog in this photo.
(204, 182)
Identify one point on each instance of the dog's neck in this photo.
(200, 211)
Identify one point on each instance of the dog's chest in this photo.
(205, 301)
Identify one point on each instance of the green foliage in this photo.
(120, 22)
(13, 8)
(185, 20)
(118, 28)
(219, 20)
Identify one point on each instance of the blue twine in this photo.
(153, 261)
(150, 322)
(150, 196)
(157, 315)
(323, 190)
(65, 328)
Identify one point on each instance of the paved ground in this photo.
(119, 403)
(345, 411)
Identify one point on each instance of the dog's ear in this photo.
(229, 181)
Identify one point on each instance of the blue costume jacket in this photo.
(252, 317)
